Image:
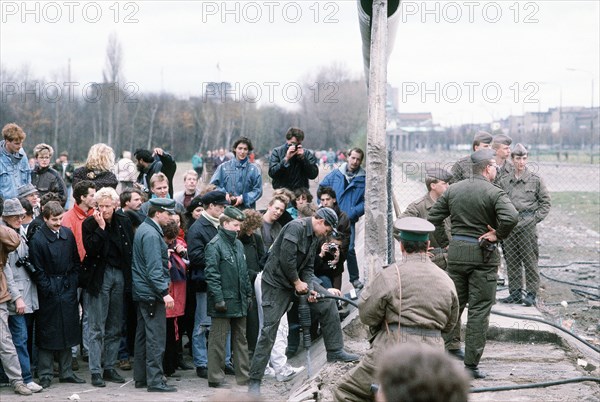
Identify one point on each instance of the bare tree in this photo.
(112, 75)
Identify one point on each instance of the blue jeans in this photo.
(351, 261)
(201, 327)
(18, 330)
(104, 317)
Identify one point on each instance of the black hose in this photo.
(568, 283)
(585, 294)
(521, 317)
(326, 296)
(569, 264)
(534, 385)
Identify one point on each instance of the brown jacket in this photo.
(426, 299)
(9, 241)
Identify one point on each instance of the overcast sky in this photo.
(464, 61)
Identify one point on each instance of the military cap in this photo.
(519, 150)
(165, 204)
(439, 174)
(329, 215)
(483, 155)
(413, 229)
(26, 190)
(502, 139)
(483, 137)
(195, 203)
(12, 207)
(215, 197)
(234, 213)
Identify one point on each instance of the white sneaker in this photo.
(21, 389)
(288, 372)
(33, 387)
(269, 372)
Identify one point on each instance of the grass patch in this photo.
(583, 205)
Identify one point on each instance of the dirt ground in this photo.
(564, 239)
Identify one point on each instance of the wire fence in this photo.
(557, 258)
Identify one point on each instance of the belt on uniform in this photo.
(468, 239)
(433, 333)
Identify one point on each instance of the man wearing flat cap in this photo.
(531, 198)
(289, 271)
(436, 182)
(199, 235)
(399, 309)
(229, 296)
(150, 277)
(480, 215)
(463, 168)
(501, 144)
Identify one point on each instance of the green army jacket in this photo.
(529, 195)
(473, 205)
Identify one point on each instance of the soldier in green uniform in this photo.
(501, 144)
(462, 169)
(480, 215)
(436, 181)
(531, 198)
(398, 308)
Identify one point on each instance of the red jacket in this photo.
(73, 219)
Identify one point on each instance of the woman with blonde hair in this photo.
(98, 167)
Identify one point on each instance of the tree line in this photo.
(71, 116)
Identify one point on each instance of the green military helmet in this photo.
(412, 229)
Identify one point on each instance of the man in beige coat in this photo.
(410, 301)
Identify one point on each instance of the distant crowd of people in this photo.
(122, 274)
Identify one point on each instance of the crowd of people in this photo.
(122, 274)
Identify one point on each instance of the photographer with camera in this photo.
(23, 299)
(326, 262)
(328, 198)
(291, 165)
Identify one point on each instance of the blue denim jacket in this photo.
(13, 176)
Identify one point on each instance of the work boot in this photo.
(112, 376)
(341, 356)
(254, 387)
(458, 353)
(529, 299)
(513, 298)
(475, 372)
(202, 372)
(97, 380)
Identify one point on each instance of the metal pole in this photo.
(376, 191)
(390, 212)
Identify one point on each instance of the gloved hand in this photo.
(221, 307)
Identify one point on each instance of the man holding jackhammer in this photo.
(398, 308)
(289, 271)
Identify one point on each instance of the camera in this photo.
(332, 247)
(26, 265)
